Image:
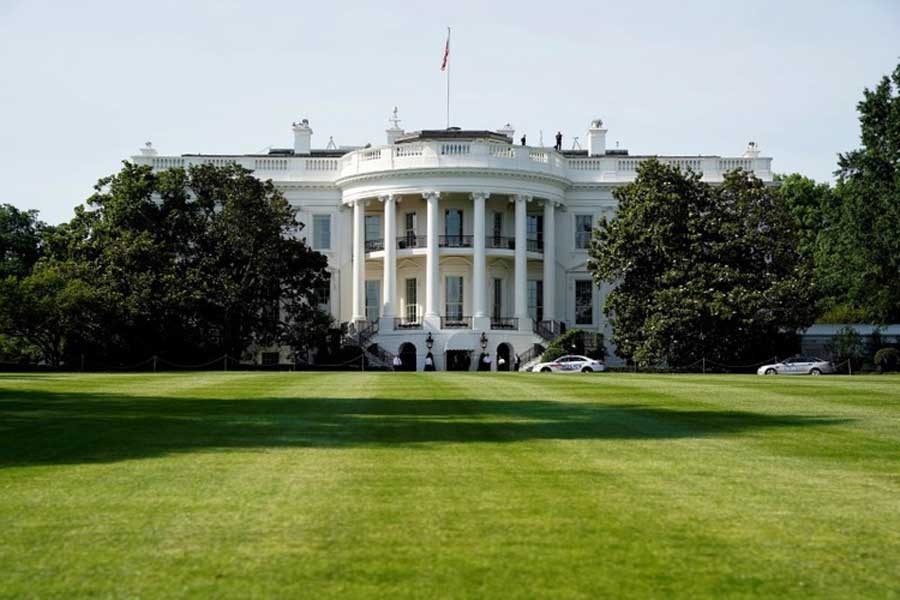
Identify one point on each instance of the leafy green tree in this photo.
(858, 254)
(189, 264)
(700, 271)
(20, 240)
(48, 310)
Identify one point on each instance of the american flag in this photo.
(446, 52)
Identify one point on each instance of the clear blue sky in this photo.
(84, 84)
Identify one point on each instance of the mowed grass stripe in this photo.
(447, 485)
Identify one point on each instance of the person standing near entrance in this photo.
(398, 364)
(429, 362)
(485, 362)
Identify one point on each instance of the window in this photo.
(322, 297)
(534, 225)
(536, 299)
(321, 232)
(498, 299)
(410, 225)
(453, 290)
(583, 226)
(498, 228)
(584, 302)
(412, 301)
(373, 299)
(453, 222)
(374, 230)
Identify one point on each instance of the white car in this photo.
(798, 365)
(570, 364)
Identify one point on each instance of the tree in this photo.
(47, 309)
(700, 271)
(20, 240)
(189, 264)
(858, 254)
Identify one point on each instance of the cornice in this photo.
(560, 182)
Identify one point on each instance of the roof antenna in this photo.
(575, 144)
(331, 145)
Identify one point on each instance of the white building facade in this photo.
(462, 240)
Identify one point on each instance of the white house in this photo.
(463, 238)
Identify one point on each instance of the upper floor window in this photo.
(583, 226)
(453, 222)
(373, 228)
(321, 232)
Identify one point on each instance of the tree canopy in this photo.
(858, 253)
(188, 264)
(700, 270)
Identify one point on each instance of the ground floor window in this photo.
(584, 302)
(373, 299)
(412, 300)
(536, 299)
(453, 291)
(498, 299)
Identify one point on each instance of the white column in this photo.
(549, 259)
(359, 261)
(389, 285)
(521, 265)
(479, 263)
(432, 273)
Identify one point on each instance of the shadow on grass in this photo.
(38, 427)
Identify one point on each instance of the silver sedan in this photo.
(798, 365)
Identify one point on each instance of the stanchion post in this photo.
(703, 365)
(225, 363)
(154, 363)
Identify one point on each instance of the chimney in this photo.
(509, 131)
(302, 137)
(596, 138)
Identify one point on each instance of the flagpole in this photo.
(448, 81)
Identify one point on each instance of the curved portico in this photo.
(433, 227)
(472, 210)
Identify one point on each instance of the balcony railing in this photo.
(404, 323)
(374, 245)
(534, 245)
(500, 242)
(408, 242)
(455, 241)
(511, 323)
(456, 322)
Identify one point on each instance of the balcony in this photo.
(455, 241)
(456, 322)
(500, 242)
(374, 245)
(505, 323)
(408, 242)
(534, 245)
(405, 323)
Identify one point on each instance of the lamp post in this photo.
(429, 341)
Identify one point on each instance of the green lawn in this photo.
(282, 485)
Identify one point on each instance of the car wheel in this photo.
(587, 370)
(770, 371)
(545, 370)
(815, 372)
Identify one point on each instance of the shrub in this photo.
(887, 359)
(573, 342)
(847, 345)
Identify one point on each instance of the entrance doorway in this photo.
(503, 357)
(407, 356)
(459, 360)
